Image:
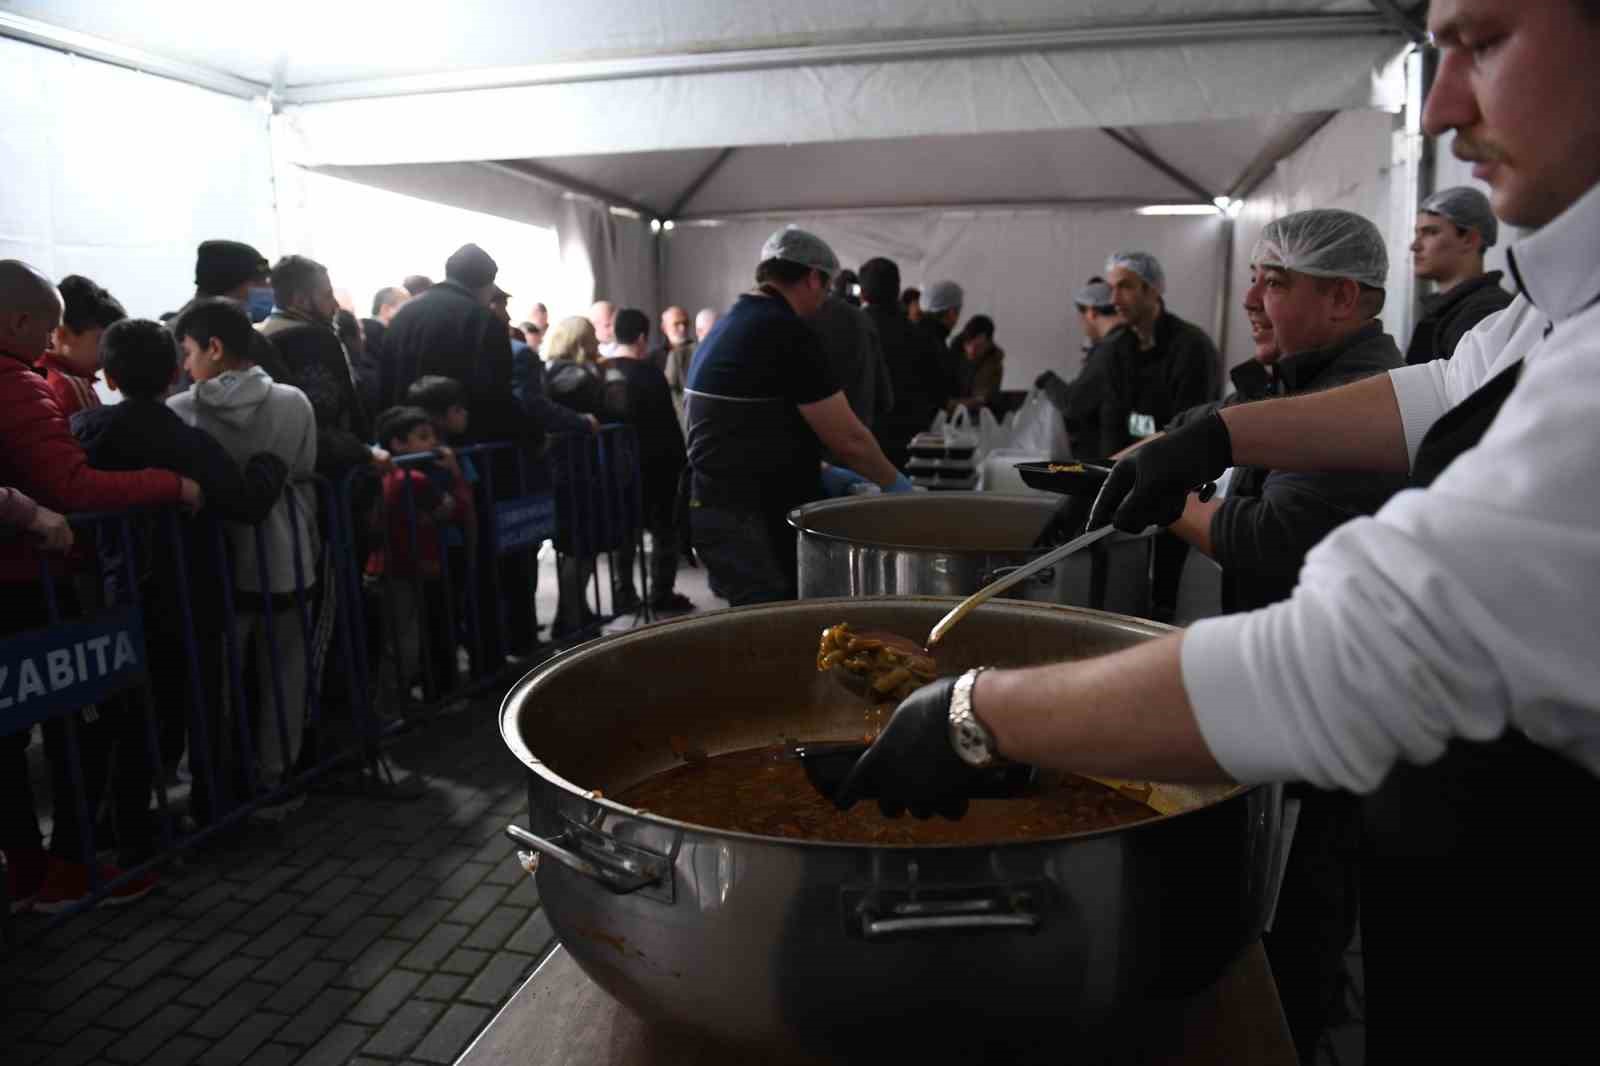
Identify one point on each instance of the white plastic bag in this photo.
(1039, 429)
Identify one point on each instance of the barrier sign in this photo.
(524, 521)
(45, 672)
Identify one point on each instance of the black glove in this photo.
(1151, 486)
(912, 765)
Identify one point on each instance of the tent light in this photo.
(1222, 202)
(1179, 209)
(655, 225)
(667, 225)
(1234, 208)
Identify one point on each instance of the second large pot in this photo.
(954, 543)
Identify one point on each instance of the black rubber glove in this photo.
(1151, 486)
(912, 766)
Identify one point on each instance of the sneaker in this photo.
(672, 603)
(67, 883)
(25, 873)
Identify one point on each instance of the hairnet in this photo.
(1143, 264)
(1325, 243)
(1466, 207)
(1094, 294)
(795, 245)
(942, 296)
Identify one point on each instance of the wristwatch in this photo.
(971, 738)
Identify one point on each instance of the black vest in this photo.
(1479, 905)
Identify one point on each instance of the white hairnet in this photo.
(1143, 264)
(942, 296)
(795, 245)
(1466, 207)
(1325, 243)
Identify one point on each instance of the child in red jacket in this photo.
(39, 456)
(411, 558)
(71, 365)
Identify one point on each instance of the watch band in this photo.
(969, 737)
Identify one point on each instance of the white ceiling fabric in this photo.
(312, 42)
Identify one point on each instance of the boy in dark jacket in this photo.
(140, 360)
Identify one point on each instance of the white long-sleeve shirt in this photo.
(1457, 610)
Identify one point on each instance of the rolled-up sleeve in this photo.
(1426, 391)
(1454, 612)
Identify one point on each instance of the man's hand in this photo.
(1150, 486)
(52, 531)
(190, 495)
(912, 765)
(382, 462)
(594, 423)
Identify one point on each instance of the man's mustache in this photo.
(1471, 150)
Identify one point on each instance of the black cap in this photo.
(220, 266)
(471, 266)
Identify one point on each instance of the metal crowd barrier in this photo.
(471, 587)
(144, 654)
(143, 646)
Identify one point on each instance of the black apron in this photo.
(1479, 904)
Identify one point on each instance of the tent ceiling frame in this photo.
(528, 170)
(32, 31)
(1276, 151)
(1104, 202)
(1135, 145)
(1406, 21)
(699, 183)
(1321, 27)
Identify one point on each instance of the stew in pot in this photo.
(765, 791)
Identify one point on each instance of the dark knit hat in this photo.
(471, 266)
(223, 265)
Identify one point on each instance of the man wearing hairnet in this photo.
(1155, 367)
(1316, 287)
(762, 408)
(1440, 656)
(941, 310)
(1454, 229)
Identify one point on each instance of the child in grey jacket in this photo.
(247, 412)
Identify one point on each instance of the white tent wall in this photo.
(118, 175)
(1019, 267)
(602, 253)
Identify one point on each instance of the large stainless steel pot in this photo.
(768, 942)
(954, 543)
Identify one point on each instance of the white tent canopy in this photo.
(1001, 144)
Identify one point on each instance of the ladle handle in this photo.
(1020, 574)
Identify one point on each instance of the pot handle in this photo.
(619, 873)
(1047, 576)
(939, 916)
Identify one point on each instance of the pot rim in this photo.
(599, 646)
(797, 516)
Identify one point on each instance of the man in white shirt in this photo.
(602, 316)
(1443, 655)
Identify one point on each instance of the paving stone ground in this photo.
(363, 930)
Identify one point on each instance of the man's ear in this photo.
(111, 382)
(177, 375)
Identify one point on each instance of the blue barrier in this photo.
(181, 635)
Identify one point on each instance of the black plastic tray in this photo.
(1084, 482)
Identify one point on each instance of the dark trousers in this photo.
(663, 561)
(1166, 573)
(1318, 905)
(749, 556)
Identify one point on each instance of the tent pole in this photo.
(1224, 309)
(32, 31)
(1132, 144)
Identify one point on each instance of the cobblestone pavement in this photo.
(362, 929)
